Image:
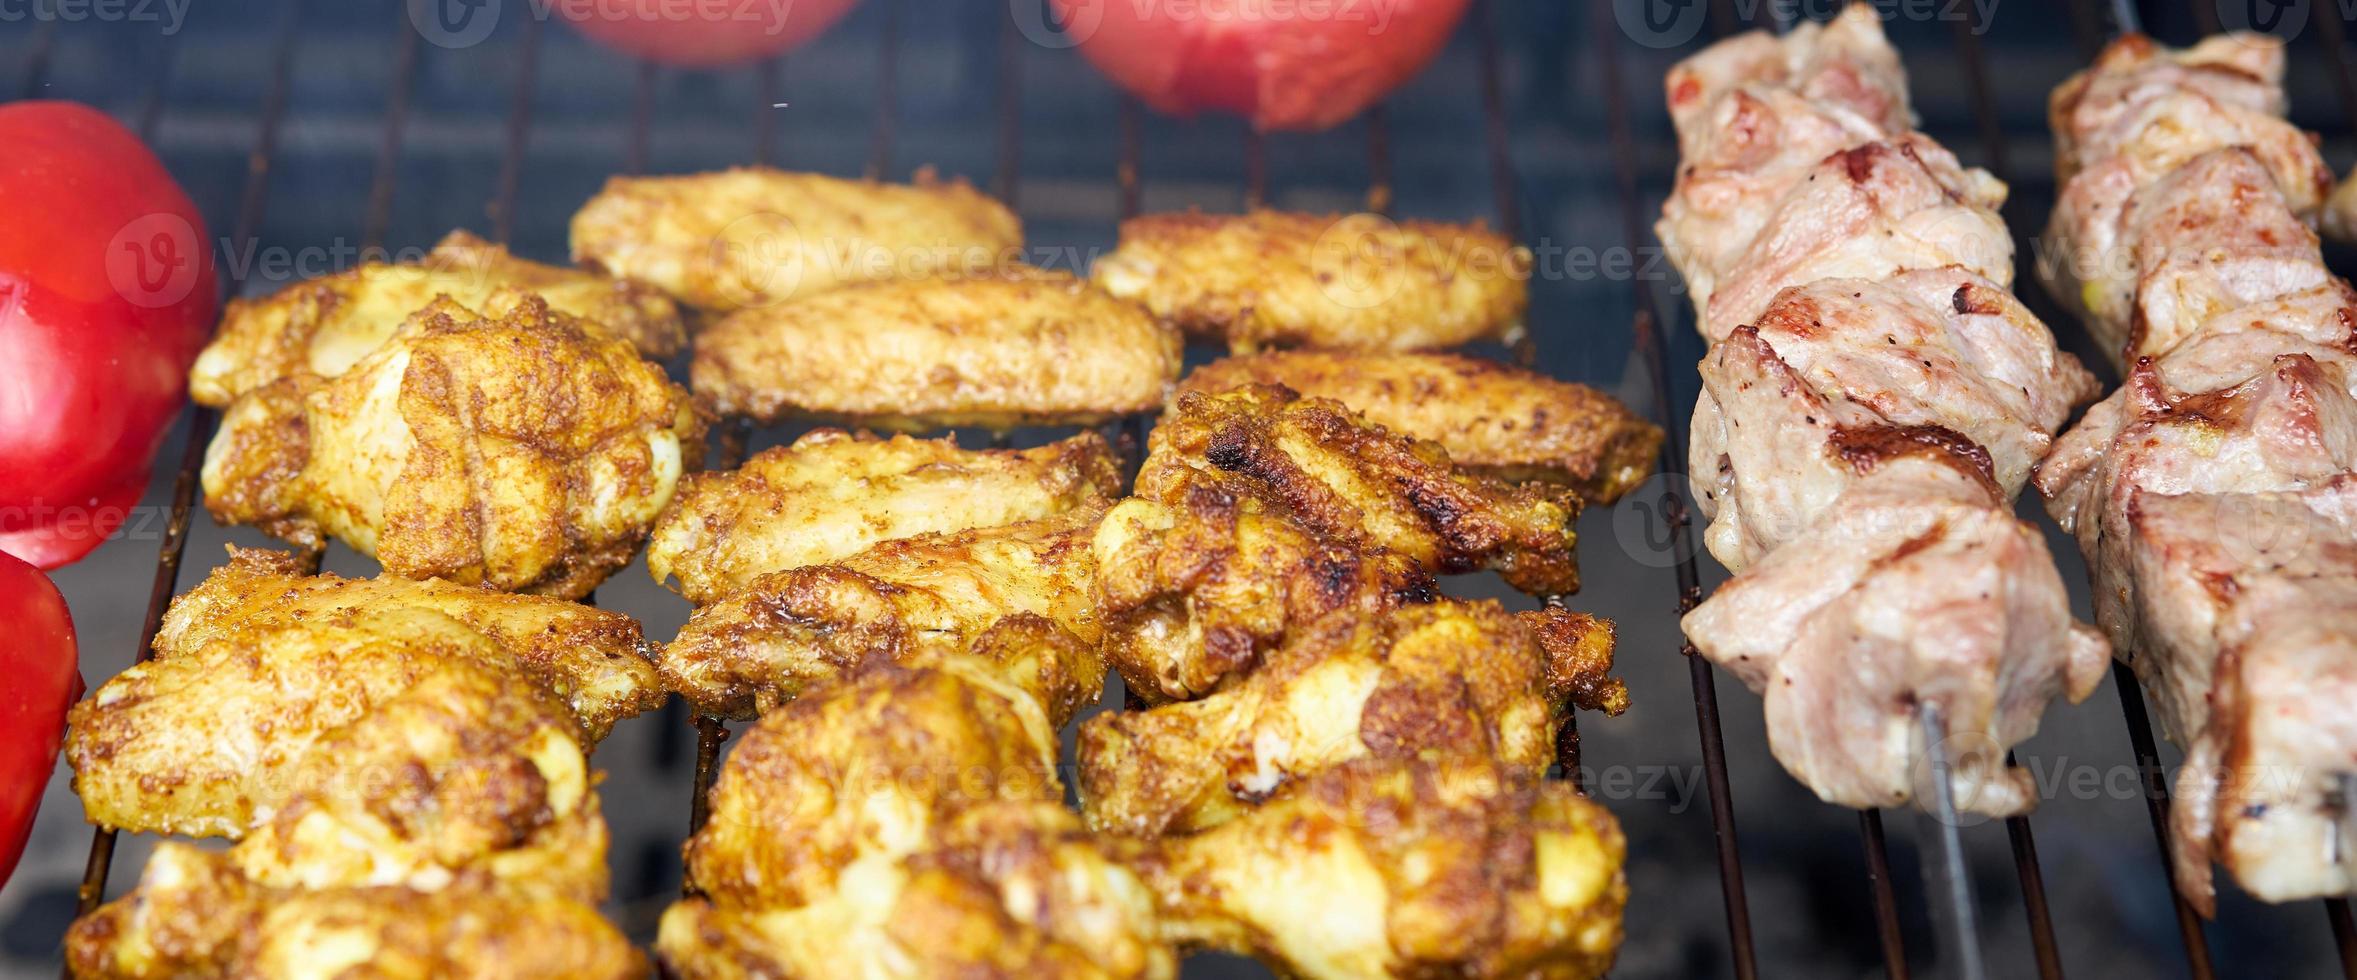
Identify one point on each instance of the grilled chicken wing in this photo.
(832, 495)
(1841, 374)
(518, 451)
(597, 661)
(1404, 868)
(1192, 592)
(1017, 347)
(194, 916)
(908, 601)
(1003, 890)
(463, 801)
(755, 237)
(1361, 485)
(878, 762)
(257, 671)
(1448, 678)
(2121, 128)
(1284, 279)
(1493, 419)
(326, 325)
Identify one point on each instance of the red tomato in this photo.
(43, 680)
(1285, 64)
(703, 33)
(106, 294)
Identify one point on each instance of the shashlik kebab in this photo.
(1873, 399)
(2214, 493)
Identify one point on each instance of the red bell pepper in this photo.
(106, 295)
(38, 658)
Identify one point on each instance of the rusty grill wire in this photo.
(2087, 19)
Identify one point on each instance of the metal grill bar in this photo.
(642, 112)
(184, 485)
(1886, 903)
(1379, 160)
(1256, 170)
(887, 93)
(37, 63)
(2156, 799)
(1010, 112)
(388, 149)
(765, 112)
(1652, 347)
(519, 132)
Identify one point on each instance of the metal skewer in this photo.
(1939, 828)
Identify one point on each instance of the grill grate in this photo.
(1648, 325)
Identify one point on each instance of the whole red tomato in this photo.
(43, 680)
(1285, 64)
(106, 294)
(703, 33)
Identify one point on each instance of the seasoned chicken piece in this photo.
(597, 662)
(1361, 485)
(832, 495)
(1843, 373)
(326, 325)
(1872, 211)
(910, 601)
(194, 916)
(1286, 279)
(754, 237)
(1193, 592)
(1450, 678)
(217, 733)
(1916, 586)
(519, 451)
(1020, 347)
(1493, 419)
(467, 797)
(2263, 628)
(1404, 868)
(823, 781)
(1004, 890)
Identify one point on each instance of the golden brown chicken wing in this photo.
(755, 237)
(1493, 419)
(1446, 678)
(520, 451)
(909, 601)
(831, 495)
(463, 802)
(326, 325)
(1359, 484)
(194, 917)
(876, 762)
(1021, 347)
(1004, 890)
(1284, 279)
(1192, 593)
(597, 662)
(247, 687)
(1404, 868)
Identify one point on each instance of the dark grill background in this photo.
(590, 112)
